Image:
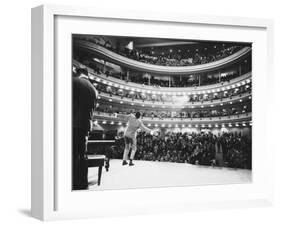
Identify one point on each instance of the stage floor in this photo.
(147, 174)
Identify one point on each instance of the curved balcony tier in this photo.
(118, 83)
(233, 119)
(157, 69)
(128, 101)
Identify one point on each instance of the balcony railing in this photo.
(146, 88)
(221, 119)
(116, 98)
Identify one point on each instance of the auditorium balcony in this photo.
(197, 84)
(177, 101)
(238, 120)
(111, 56)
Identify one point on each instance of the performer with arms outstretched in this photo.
(130, 135)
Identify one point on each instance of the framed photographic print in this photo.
(140, 112)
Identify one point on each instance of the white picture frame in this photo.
(46, 159)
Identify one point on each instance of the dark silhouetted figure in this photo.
(84, 99)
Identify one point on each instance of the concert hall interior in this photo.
(194, 96)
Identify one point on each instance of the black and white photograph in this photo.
(158, 112)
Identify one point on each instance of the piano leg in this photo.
(99, 175)
(107, 164)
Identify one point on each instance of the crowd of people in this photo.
(188, 81)
(172, 98)
(175, 81)
(194, 80)
(178, 59)
(227, 149)
(171, 58)
(198, 113)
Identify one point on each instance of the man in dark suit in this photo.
(84, 99)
